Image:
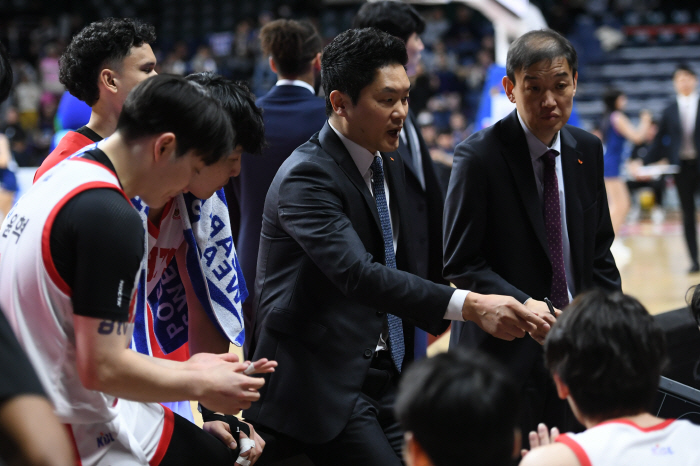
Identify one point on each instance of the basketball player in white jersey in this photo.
(70, 255)
(605, 354)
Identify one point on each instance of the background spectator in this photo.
(458, 40)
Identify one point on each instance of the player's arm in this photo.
(623, 125)
(104, 236)
(106, 364)
(204, 337)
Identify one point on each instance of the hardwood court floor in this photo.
(656, 273)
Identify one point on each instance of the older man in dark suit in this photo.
(292, 113)
(527, 214)
(335, 291)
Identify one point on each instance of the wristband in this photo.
(236, 425)
(208, 415)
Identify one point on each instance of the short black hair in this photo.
(610, 99)
(610, 352)
(684, 67)
(291, 44)
(396, 18)
(168, 103)
(461, 407)
(6, 75)
(350, 62)
(536, 46)
(97, 46)
(239, 102)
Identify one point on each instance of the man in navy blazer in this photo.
(335, 287)
(499, 238)
(292, 113)
(422, 188)
(678, 140)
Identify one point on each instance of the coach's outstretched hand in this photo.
(501, 316)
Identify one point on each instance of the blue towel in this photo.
(213, 269)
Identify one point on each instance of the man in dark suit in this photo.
(336, 300)
(292, 113)
(678, 140)
(422, 189)
(526, 213)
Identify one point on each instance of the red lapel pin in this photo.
(579, 161)
(392, 158)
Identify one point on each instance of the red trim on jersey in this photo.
(71, 143)
(164, 442)
(154, 228)
(78, 461)
(660, 426)
(576, 448)
(46, 234)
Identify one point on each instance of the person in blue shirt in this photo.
(616, 129)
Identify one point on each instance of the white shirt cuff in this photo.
(454, 308)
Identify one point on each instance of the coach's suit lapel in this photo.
(517, 155)
(571, 161)
(405, 153)
(331, 143)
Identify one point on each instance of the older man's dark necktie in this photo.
(552, 224)
(396, 343)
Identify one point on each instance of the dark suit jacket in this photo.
(667, 142)
(323, 291)
(425, 222)
(495, 241)
(292, 115)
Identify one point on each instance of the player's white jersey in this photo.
(35, 298)
(623, 443)
(163, 243)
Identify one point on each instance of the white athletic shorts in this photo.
(138, 435)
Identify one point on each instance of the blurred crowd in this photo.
(459, 48)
